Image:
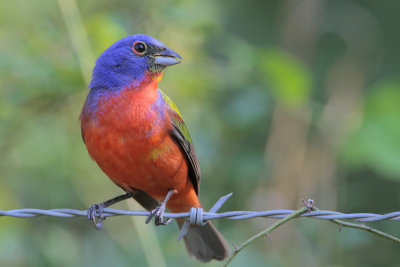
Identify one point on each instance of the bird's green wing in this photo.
(181, 134)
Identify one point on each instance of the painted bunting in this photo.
(137, 136)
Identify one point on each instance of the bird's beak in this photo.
(166, 58)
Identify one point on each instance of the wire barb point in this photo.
(95, 213)
(309, 204)
(268, 235)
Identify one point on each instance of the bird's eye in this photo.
(139, 48)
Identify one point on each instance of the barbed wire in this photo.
(198, 216)
(206, 216)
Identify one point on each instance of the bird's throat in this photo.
(150, 81)
(158, 76)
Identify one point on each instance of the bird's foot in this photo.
(95, 212)
(96, 215)
(158, 213)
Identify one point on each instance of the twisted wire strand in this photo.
(198, 216)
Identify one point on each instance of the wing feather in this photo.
(181, 134)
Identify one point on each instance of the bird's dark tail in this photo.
(205, 243)
(202, 242)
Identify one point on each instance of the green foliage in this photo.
(289, 79)
(376, 142)
(103, 30)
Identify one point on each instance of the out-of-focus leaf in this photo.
(288, 78)
(377, 142)
(104, 30)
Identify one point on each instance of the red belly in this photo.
(151, 166)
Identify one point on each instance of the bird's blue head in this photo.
(126, 62)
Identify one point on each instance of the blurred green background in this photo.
(284, 100)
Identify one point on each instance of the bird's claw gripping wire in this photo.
(158, 212)
(96, 211)
(96, 215)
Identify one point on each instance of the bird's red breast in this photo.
(128, 135)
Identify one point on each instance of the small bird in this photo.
(137, 136)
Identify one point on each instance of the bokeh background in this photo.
(284, 100)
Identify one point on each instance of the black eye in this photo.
(139, 48)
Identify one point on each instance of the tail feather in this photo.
(205, 243)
